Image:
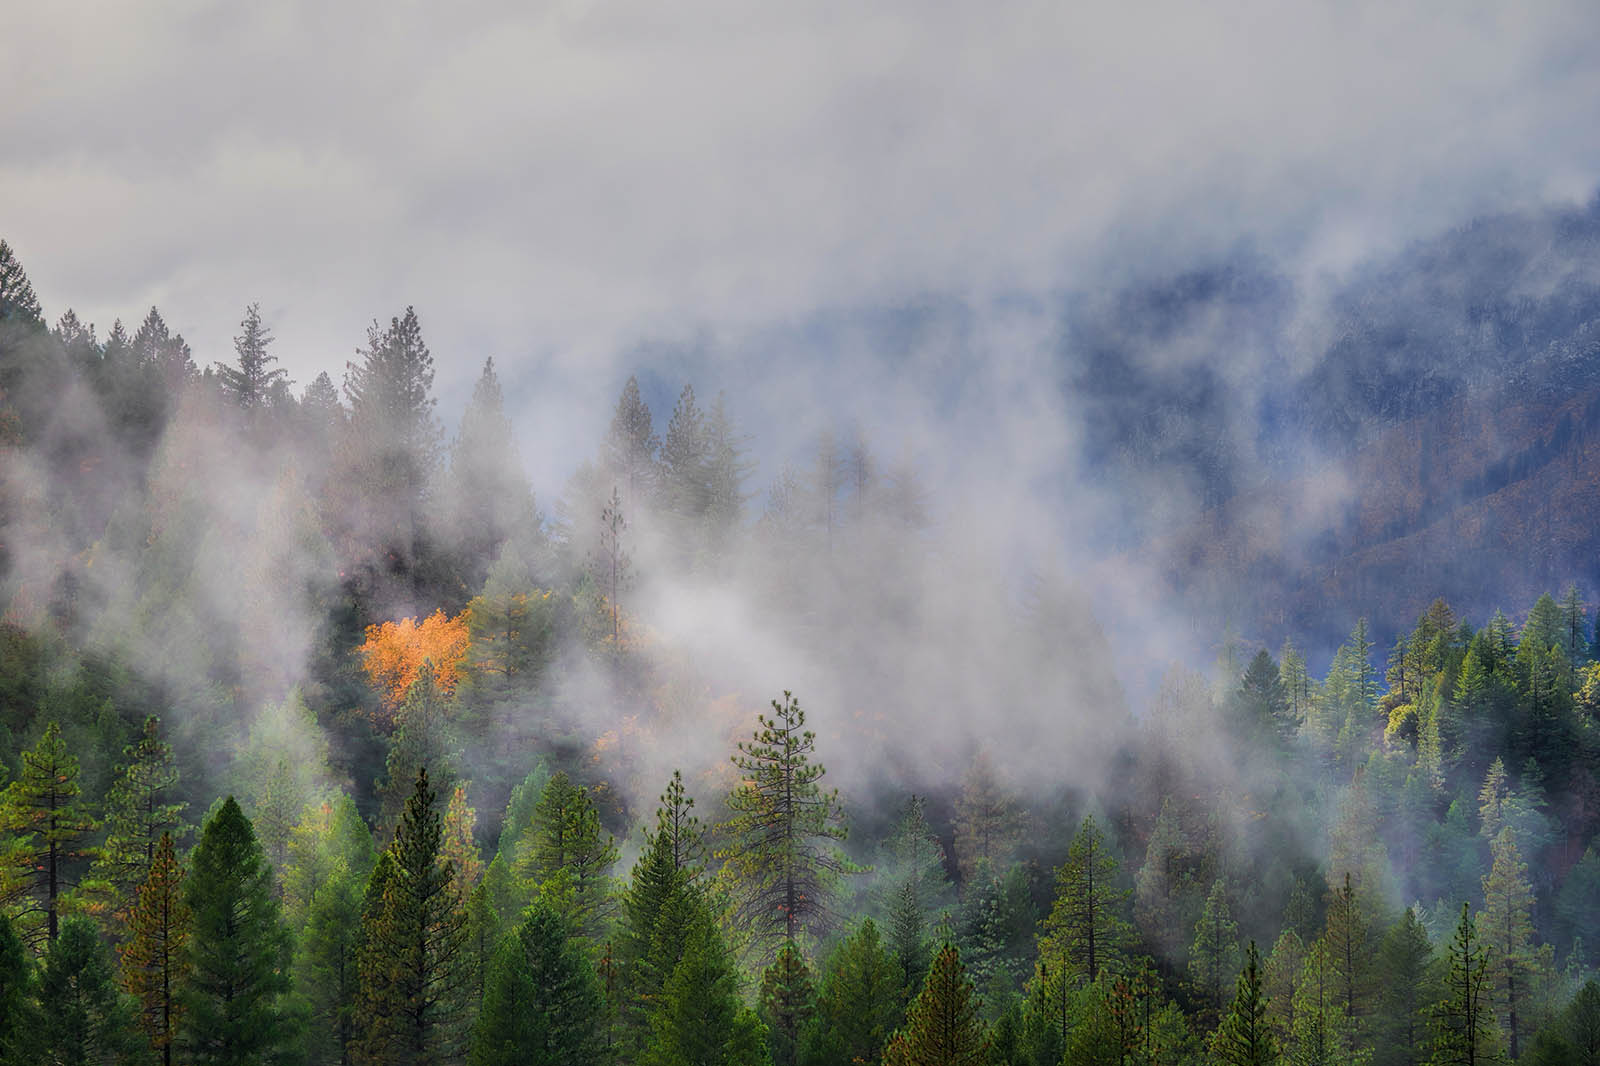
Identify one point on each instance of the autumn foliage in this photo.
(393, 654)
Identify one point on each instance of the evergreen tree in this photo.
(238, 951)
(1157, 886)
(1406, 994)
(1244, 1037)
(698, 1019)
(460, 850)
(858, 1001)
(250, 384)
(943, 1027)
(328, 972)
(1348, 937)
(727, 469)
(781, 829)
(18, 1023)
(1507, 934)
(84, 1020)
(569, 857)
(489, 493)
(987, 820)
(1574, 628)
(424, 736)
(18, 304)
(1262, 707)
(1214, 954)
(1280, 981)
(43, 812)
(788, 1002)
(413, 950)
(154, 960)
(630, 446)
(1086, 932)
(683, 460)
(139, 812)
(680, 830)
(1464, 1029)
(542, 1005)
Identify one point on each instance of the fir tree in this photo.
(238, 950)
(84, 1020)
(154, 960)
(1348, 936)
(42, 810)
(1464, 1029)
(542, 1006)
(1406, 994)
(943, 1027)
(858, 1002)
(328, 973)
(18, 304)
(1244, 1038)
(414, 947)
(1086, 931)
(630, 446)
(569, 856)
(698, 1018)
(18, 1023)
(781, 829)
(1214, 955)
(788, 1002)
(1157, 885)
(987, 820)
(424, 736)
(1507, 935)
(139, 812)
(250, 384)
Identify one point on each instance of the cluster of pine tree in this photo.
(1416, 848)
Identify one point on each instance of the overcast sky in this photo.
(557, 183)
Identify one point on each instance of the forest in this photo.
(322, 741)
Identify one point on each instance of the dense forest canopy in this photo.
(323, 740)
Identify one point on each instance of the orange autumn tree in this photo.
(393, 654)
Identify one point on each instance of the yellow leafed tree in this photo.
(394, 652)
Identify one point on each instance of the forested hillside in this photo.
(324, 741)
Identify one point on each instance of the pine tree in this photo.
(569, 856)
(1574, 627)
(42, 810)
(1406, 993)
(1214, 954)
(18, 1023)
(83, 1018)
(154, 960)
(1157, 885)
(943, 1027)
(630, 446)
(413, 950)
(1280, 980)
(781, 829)
(328, 973)
(1348, 937)
(1464, 1029)
(1507, 935)
(679, 827)
(1086, 931)
(788, 1000)
(18, 304)
(542, 1005)
(1244, 1038)
(727, 469)
(460, 850)
(139, 812)
(858, 1002)
(424, 736)
(489, 494)
(698, 1018)
(1262, 708)
(987, 820)
(683, 460)
(238, 950)
(250, 384)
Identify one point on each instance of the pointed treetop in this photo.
(17, 300)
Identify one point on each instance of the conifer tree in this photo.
(238, 950)
(1157, 885)
(1464, 1028)
(858, 1001)
(154, 960)
(1407, 992)
(987, 820)
(489, 495)
(1348, 937)
(250, 384)
(1244, 1038)
(568, 856)
(424, 736)
(1262, 703)
(1280, 981)
(18, 1023)
(42, 810)
(630, 446)
(943, 1027)
(788, 1001)
(1507, 936)
(782, 828)
(1214, 955)
(18, 303)
(542, 1005)
(83, 1018)
(328, 973)
(459, 848)
(698, 1018)
(413, 950)
(683, 459)
(1086, 931)
(139, 811)
(1574, 627)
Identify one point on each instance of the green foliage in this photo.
(155, 958)
(18, 1024)
(1244, 1038)
(788, 1000)
(541, 1006)
(139, 811)
(568, 857)
(1407, 993)
(83, 1019)
(238, 952)
(781, 827)
(1464, 1030)
(987, 819)
(1214, 954)
(858, 1003)
(46, 821)
(698, 1017)
(942, 1027)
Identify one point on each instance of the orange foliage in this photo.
(394, 652)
